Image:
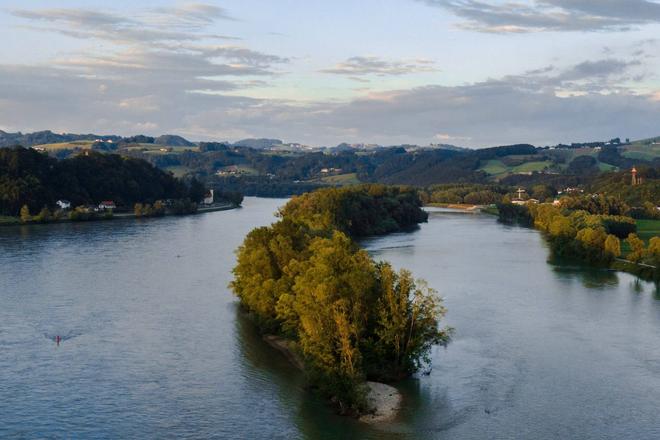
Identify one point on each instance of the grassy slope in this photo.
(494, 167)
(531, 166)
(646, 229)
(85, 145)
(341, 179)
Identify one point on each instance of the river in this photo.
(154, 346)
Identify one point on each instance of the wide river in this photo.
(155, 347)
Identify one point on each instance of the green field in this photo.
(606, 167)
(341, 179)
(85, 145)
(641, 151)
(494, 167)
(497, 168)
(647, 229)
(178, 170)
(531, 167)
(241, 169)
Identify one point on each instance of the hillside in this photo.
(267, 166)
(30, 178)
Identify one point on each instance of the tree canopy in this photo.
(352, 318)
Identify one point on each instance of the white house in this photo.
(208, 198)
(107, 204)
(63, 204)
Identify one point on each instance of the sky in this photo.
(473, 73)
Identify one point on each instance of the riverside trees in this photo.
(306, 279)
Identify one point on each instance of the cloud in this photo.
(552, 15)
(369, 65)
(185, 22)
(153, 48)
(530, 107)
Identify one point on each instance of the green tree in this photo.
(407, 323)
(44, 216)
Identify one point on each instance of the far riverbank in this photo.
(16, 221)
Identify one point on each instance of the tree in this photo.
(408, 313)
(196, 190)
(138, 210)
(305, 278)
(543, 192)
(636, 248)
(44, 216)
(25, 214)
(654, 251)
(613, 246)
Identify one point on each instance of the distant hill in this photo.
(47, 137)
(258, 144)
(266, 162)
(172, 140)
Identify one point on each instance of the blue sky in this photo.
(466, 72)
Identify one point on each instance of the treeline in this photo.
(351, 318)
(589, 228)
(30, 178)
(358, 211)
(646, 195)
(470, 194)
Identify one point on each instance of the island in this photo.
(348, 320)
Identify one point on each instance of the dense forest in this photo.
(30, 178)
(351, 318)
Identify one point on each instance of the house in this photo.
(208, 198)
(107, 204)
(64, 204)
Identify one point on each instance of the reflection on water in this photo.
(591, 278)
(155, 347)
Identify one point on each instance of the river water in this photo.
(154, 346)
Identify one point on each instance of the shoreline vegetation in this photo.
(593, 230)
(383, 401)
(109, 215)
(36, 189)
(351, 321)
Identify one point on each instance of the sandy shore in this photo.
(385, 400)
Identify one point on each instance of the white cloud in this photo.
(552, 15)
(370, 65)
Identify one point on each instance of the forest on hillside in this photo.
(31, 178)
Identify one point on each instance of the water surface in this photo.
(154, 346)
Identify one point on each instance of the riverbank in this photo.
(383, 400)
(15, 221)
(461, 206)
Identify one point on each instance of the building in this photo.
(63, 204)
(107, 204)
(636, 180)
(208, 198)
